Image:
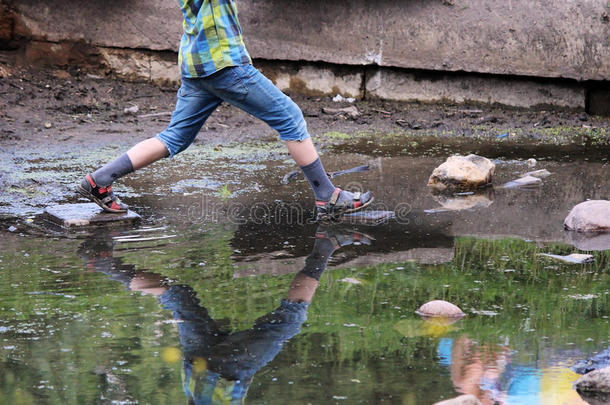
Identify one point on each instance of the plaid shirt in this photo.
(212, 38)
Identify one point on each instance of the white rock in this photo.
(589, 216)
(439, 308)
(131, 110)
(531, 162)
(462, 173)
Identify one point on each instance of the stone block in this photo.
(86, 215)
(127, 63)
(314, 79)
(406, 85)
(164, 69)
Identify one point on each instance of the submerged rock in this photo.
(596, 381)
(527, 181)
(461, 400)
(462, 173)
(600, 360)
(439, 308)
(589, 216)
(574, 258)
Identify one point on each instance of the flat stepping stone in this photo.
(367, 217)
(86, 215)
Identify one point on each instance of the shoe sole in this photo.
(96, 200)
(328, 217)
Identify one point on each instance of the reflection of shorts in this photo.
(242, 86)
(238, 355)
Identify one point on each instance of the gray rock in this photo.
(461, 400)
(597, 381)
(589, 216)
(600, 360)
(527, 181)
(462, 173)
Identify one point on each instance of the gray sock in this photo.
(318, 180)
(316, 262)
(107, 174)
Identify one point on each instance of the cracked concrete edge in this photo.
(404, 85)
(321, 79)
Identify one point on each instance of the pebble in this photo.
(48, 125)
(531, 162)
(131, 110)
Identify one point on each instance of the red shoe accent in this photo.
(357, 204)
(115, 206)
(90, 180)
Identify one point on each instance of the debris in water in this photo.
(483, 312)
(127, 239)
(12, 228)
(541, 174)
(295, 173)
(350, 280)
(574, 258)
(502, 136)
(527, 181)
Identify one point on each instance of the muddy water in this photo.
(100, 318)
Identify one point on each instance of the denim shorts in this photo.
(242, 86)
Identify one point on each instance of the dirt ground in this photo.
(62, 106)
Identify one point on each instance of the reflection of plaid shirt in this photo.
(212, 37)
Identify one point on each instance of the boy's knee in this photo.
(294, 127)
(173, 143)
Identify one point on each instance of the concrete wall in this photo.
(544, 39)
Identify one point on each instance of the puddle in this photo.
(202, 298)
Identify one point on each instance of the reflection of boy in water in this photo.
(218, 366)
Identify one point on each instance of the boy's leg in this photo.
(246, 88)
(193, 108)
